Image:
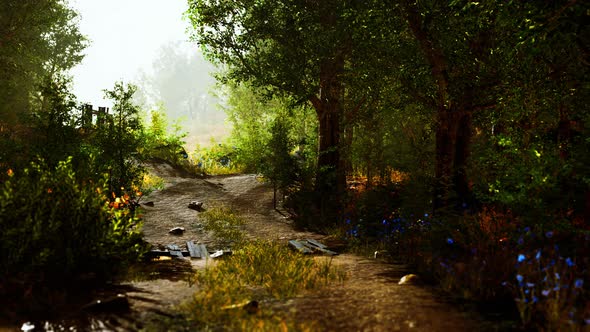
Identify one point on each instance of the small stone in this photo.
(151, 204)
(196, 205)
(381, 254)
(411, 279)
(176, 231)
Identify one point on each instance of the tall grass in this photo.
(224, 224)
(263, 271)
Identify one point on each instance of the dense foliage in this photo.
(455, 133)
(39, 41)
(55, 226)
(462, 128)
(70, 175)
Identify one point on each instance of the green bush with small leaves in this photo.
(55, 226)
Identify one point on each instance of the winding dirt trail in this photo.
(369, 300)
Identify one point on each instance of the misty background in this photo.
(144, 42)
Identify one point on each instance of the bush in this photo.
(54, 226)
(159, 143)
(217, 159)
(225, 225)
(549, 280)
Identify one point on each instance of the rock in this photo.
(176, 231)
(196, 205)
(151, 204)
(409, 279)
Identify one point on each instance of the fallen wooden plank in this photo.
(313, 247)
(317, 243)
(204, 252)
(216, 254)
(172, 247)
(175, 250)
(193, 250)
(300, 247)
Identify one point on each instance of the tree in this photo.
(39, 40)
(457, 42)
(534, 157)
(296, 48)
(252, 117)
(116, 141)
(279, 166)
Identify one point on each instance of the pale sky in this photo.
(125, 36)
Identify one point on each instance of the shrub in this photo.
(158, 142)
(548, 284)
(225, 225)
(217, 159)
(55, 226)
(151, 182)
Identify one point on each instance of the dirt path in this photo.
(370, 300)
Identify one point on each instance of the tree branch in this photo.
(434, 55)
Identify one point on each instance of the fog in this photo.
(144, 42)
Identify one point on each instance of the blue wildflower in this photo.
(520, 241)
(549, 234)
(526, 291)
(450, 240)
(426, 215)
(504, 283)
(530, 284)
(556, 288)
(538, 255)
(569, 262)
(519, 278)
(545, 292)
(557, 276)
(521, 258)
(384, 221)
(348, 221)
(578, 283)
(535, 299)
(527, 229)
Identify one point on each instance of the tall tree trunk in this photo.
(331, 175)
(453, 142)
(464, 133)
(454, 121)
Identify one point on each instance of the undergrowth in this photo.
(224, 224)
(151, 182)
(261, 271)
